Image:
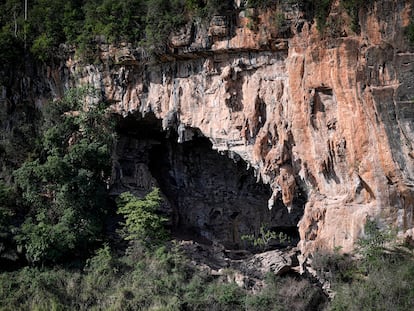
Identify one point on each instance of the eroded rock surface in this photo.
(245, 269)
(207, 194)
(323, 116)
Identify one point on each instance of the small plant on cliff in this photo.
(322, 8)
(142, 223)
(278, 20)
(259, 3)
(265, 237)
(372, 245)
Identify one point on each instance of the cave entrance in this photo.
(210, 197)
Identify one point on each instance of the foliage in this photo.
(115, 20)
(64, 186)
(335, 268)
(372, 244)
(380, 280)
(141, 220)
(87, 24)
(42, 47)
(278, 20)
(7, 40)
(285, 293)
(352, 7)
(265, 237)
(322, 8)
(259, 3)
(389, 286)
(7, 222)
(18, 138)
(162, 16)
(161, 279)
(6, 207)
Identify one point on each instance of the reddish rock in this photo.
(330, 115)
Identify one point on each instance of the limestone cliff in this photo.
(326, 116)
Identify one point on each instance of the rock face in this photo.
(207, 195)
(322, 117)
(247, 270)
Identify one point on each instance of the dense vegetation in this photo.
(379, 279)
(162, 279)
(87, 23)
(46, 24)
(55, 205)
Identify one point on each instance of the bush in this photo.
(383, 278)
(160, 279)
(265, 237)
(409, 32)
(334, 267)
(372, 244)
(8, 55)
(286, 293)
(42, 47)
(141, 220)
(259, 3)
(322, 8)
(389, 287)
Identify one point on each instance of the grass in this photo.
(162, 279)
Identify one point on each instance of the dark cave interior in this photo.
(208, 196)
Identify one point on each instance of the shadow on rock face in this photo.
(210, 197)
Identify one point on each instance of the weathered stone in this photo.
(324, 119)
(245, 269)
(183, 36)
(207, 194)
(277, 261)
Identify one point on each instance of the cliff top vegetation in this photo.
(41, 26)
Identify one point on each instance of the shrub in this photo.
(334, 267)
(287, 293)
(265, 237)
(383, 280)
(352, 7)
(8, 55)
(322, 8)
(42, 47)
(389, 287)
(372, 244)
(260, 3)
(141, 220)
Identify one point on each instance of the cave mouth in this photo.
(209, 196)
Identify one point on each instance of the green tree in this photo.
(64, 187)
(161, 18)
(142, 222)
